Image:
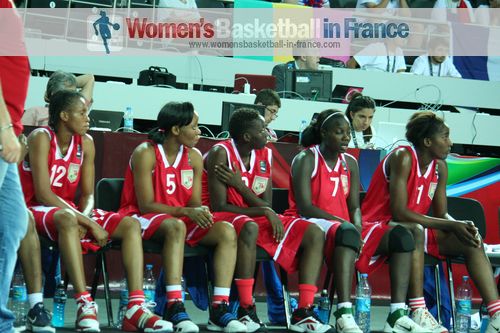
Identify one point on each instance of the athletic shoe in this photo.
(248, 316)
(176, 314)
(306, 320)
(221, 320)
(86, 317)
(140, 318)
(399, 322)
(345, 321)
(494, 325)
(426, 320)
(39, 319)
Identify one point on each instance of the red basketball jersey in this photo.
(64, 170)
(329, 187)
(256, 177)
(420, 189)
(172, 184)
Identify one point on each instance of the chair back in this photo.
(468, 209)
(280, 200)
(108, 194)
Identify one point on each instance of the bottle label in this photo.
(19, 293)
(60, 299)
(149, 295)
(124, 297)
(128, 122)
(363, 304)
(464, 307)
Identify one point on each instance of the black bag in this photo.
(155, 76)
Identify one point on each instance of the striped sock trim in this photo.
(493, 307)
(416, 303)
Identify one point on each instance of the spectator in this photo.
(382, 4)
(385, 57)
(309, 62)
(436, 62)
(39, 115)
(14, 77)
(270, 99)
(360, 114)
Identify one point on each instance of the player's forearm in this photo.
(251, 198)
(311, 211)
(86, 204)
(425, 221)
(248, 211)
(155, 207)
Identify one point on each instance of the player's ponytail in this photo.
(171, 114)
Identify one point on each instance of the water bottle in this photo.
(293, 304)
(463, 306)
(363, 302)
(183, 289)
(128, 120)
(149, 285)
(324, 307)
(19, 298)
(59, 305)
(303, 125)
(122, 307)
(485, 318)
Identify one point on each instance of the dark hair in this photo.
(61, 101)
(312, 133)
(267, 97)
(423, 124)
(59, 81)
(357, 103)
(241, 120)
(171, 114)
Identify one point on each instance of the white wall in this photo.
(147, 101)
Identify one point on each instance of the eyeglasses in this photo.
(274, 110)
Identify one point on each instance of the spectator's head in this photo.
(59, 81)
(247, 126)
(331, 127)
(426, 131)
(270, 99)
(178, 120)
(69, 107)
(438, 50)
(360, 113)
(307, 62)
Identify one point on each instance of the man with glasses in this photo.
(270, 99)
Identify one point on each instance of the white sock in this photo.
(397, 306)
(34, 299)
(344, 305)
(221, 291)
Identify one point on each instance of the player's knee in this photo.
(174, 227)
(226, 233)
(347, 235)
(417, 231)
(65, 220)
(401, 240)
(249, 233)
(131, 225)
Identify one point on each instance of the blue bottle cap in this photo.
(364, 275)
(149, 266)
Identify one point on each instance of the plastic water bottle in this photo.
(324, 307)
(19, 298)
(128, 120)
(463, 300)
(485, 318)
(183, 289)
(149, 285)
(363, 303)
(303, 125)
(293, 304)
(59, 305)
(122, 307)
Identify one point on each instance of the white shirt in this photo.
(378, 58)
(189, 4)
(360, 140)
(423, 66)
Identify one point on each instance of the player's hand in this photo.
(100, 235)
(467, 233)
(10, 149)
(229, 177)
(82, 231)
(277, 225)
(200, 215)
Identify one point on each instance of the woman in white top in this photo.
(360, 113)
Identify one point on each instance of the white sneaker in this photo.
(86, 317)
(304, 320)
(345, 322)
(494, 325)
(426, 320)
(399, 322)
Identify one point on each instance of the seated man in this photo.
(270, 99)
(436, 62)
(309, 62)
(39, 115)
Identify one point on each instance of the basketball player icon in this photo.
(104, 24)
